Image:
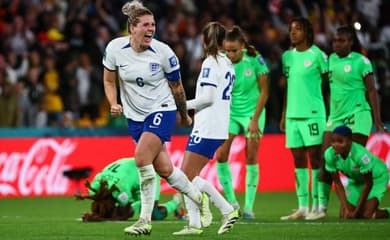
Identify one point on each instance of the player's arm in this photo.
(262, 82)
(109, 80)
(204, 100)
(180, 99)
(282, 124)
(374, 103)
(340, 191)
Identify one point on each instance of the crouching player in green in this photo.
(367, 175)
(115, 195)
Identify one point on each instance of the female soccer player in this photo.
(303, 116)
(115, 195)
(367, 175)
(150, 91)
(247, 114)
(211, 123)
(353, 98)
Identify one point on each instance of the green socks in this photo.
(302, 186)
(315, 174)
(252, 181)
(323, 195)
(225, 179)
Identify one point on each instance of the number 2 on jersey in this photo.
(226, 92)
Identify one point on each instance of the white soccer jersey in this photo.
(213, 121)
(143, 77)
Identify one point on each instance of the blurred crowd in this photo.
(51, 50)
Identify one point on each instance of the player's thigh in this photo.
(312, 130)
(293, 135)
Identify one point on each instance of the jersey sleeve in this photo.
(366, 163)
(208, 74)
(260, 65)
(109, 61)
(284, 64)
(365, 66)
(330, 160)
(170, 63)
(322, 62)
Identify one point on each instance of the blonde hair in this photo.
(133, 10)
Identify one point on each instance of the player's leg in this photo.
(224, 172)
(315, 156)
(294, 141)
(371, 207)
(325, 179)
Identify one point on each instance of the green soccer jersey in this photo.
(303, 71)
(245, 91)
(347, 88)
(358, 162)
(122, 173)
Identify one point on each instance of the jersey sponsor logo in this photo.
(307, 63)
(347, 68)
(173, 61)
(205, 72)
(154, 68)
(247, 72)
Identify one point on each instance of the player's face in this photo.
(142, 33)
(342, 44)
(341, 144)
(233, 50)
(296, 33)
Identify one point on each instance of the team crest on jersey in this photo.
(173, 61)
(154, 67)
(205, 72)
(307, 63)
(347, 68)
(247, 72)
(366, 159)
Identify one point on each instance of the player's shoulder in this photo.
(119, 43)
(159, 46)
(318, 51)
(360, 57)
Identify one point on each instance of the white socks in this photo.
(215, 197)
(193, 213)
(148, 187)
(180, 182)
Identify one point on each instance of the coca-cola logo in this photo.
(38, 171)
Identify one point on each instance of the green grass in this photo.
(56, 218)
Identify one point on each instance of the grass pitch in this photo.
(58, 218)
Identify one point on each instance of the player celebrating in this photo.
(352, 98)
(303, 116)
(367, 175)
(151, 90)
(247, 114)
(115, 195)
(212, 107)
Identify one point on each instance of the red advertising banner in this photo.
(35, 166)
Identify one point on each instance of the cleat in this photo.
(187, 230)
(299, 214)
(316, 215)
(205, 214)
(140, 227)
(228, 221)
(248, 215)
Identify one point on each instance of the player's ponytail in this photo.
(213, 35)
(236, 34)
(133, 10)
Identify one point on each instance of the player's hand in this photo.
(116, 110)
(254, 130)
(381, 127)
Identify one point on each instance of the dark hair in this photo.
(134, 10)
(307, 28)
(347, 29)
(343, 130)
(236, 34)
(213, 35)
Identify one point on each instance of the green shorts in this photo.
(304, 132)
(239, 124)
(359, 122)
(379, 187)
